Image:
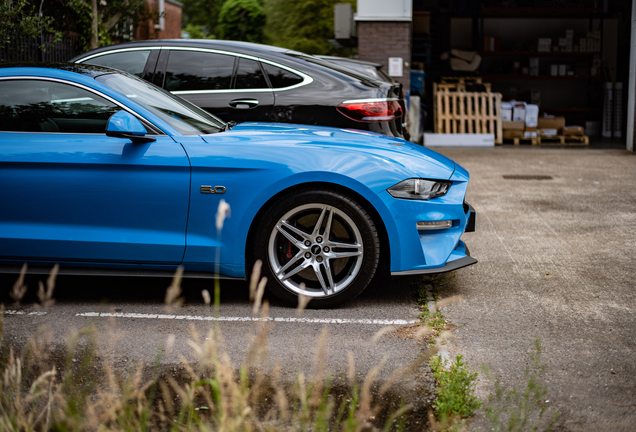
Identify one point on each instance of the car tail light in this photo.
(371, 110)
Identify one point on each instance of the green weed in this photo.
(455, 388)
(515, 411)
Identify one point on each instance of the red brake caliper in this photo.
(289, 253)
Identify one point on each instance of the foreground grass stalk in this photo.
(84, 390)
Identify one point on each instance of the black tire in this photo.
(335, 268)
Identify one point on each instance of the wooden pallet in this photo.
(463, 79)
(459, 86)
(519, 140)
(467, 112)
(460, 83)
(565, 140)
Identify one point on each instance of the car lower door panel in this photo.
(88, 197)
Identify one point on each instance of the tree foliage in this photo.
(20, 18)
(302, 25)
(97, 22)
(201, 14)
(242, 20)
(195, 31)
(109, 19)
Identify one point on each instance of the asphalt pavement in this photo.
(556, 262)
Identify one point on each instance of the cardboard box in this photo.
(506, 111)
(513, 134)
(513, 126)
(548, 132)
(527, 134)
(459, 140)
(554, 70)
(519, 112)
(551, 122)
(572, 131)
(544, 44)
(532, 115)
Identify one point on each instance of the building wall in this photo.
(172, 28)
(379, 40)
(172, 22)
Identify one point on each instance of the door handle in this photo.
(244, 103)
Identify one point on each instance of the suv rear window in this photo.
(281, 78)
(249, 75)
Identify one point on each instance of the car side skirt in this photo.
(78, 271)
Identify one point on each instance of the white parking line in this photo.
(15, 312)
(229, 319)
(249, 319)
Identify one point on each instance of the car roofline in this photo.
(249, 47)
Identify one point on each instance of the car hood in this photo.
(422, 162)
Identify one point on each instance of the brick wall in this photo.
(379, 40)
(172, 23)
(172, 29)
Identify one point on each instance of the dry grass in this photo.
(79, 388)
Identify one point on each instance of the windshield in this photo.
(185, 117)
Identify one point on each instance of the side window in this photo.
(249, 75)
(130, 61)
(281, 78)
(46, 106)
(191, 70)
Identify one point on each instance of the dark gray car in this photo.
(241, 81)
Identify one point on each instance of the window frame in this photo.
(306, 78)
(237, 64)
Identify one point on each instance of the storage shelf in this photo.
(538, 54)
(565, 89)
(515, 12)
(568, 109)
(540, 77)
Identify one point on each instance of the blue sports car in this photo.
(104, 173)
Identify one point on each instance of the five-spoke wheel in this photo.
(319, 244)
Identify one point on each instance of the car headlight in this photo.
(419, 189)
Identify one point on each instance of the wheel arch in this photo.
(384, 265)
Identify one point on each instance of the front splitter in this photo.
(453, 265)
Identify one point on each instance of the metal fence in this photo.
(27, 49)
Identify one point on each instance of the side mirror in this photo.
(122, 124)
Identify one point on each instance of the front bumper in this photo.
(434, 251)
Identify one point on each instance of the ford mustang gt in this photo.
(104, 173)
